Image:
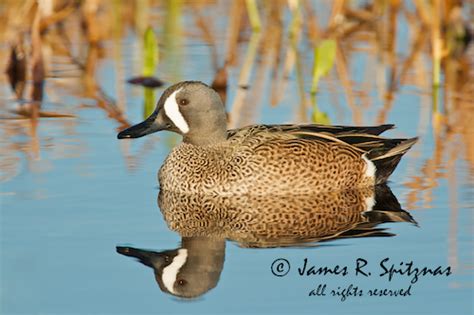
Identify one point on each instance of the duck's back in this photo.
(265, 160)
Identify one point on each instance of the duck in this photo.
(267, 221)
(206, 222)
(188, 271)
(265, 159)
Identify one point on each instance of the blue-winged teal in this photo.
(188, 271)
(205, 222)
(287, 220)
(262, 159)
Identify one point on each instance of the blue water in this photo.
(83, 192)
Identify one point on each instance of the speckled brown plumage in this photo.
(264, 221)
(274, 159)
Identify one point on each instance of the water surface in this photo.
(71, 192)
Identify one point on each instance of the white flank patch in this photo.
(369, 203)
(370, 168)
(171, 271)
(172, 111)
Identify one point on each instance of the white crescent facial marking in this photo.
(370, 168)
(172, 111)
(171, 271)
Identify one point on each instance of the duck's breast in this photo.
(194, 169)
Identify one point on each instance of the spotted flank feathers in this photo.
(285, 159)
(289, 220)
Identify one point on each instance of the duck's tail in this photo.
(387, 157)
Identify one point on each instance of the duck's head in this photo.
(188, 271)
(189, 108)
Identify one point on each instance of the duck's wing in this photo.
(315, 128)
(363, 139)
(383, 152)
(335, 130)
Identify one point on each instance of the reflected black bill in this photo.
(148, 258)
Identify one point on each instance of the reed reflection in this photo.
(206, 222)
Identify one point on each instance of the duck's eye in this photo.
(182, 282)
(183, 101)
(167, 258)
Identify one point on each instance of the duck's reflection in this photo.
(188, 271)
(206, 222)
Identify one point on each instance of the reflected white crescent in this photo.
(171, 271)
